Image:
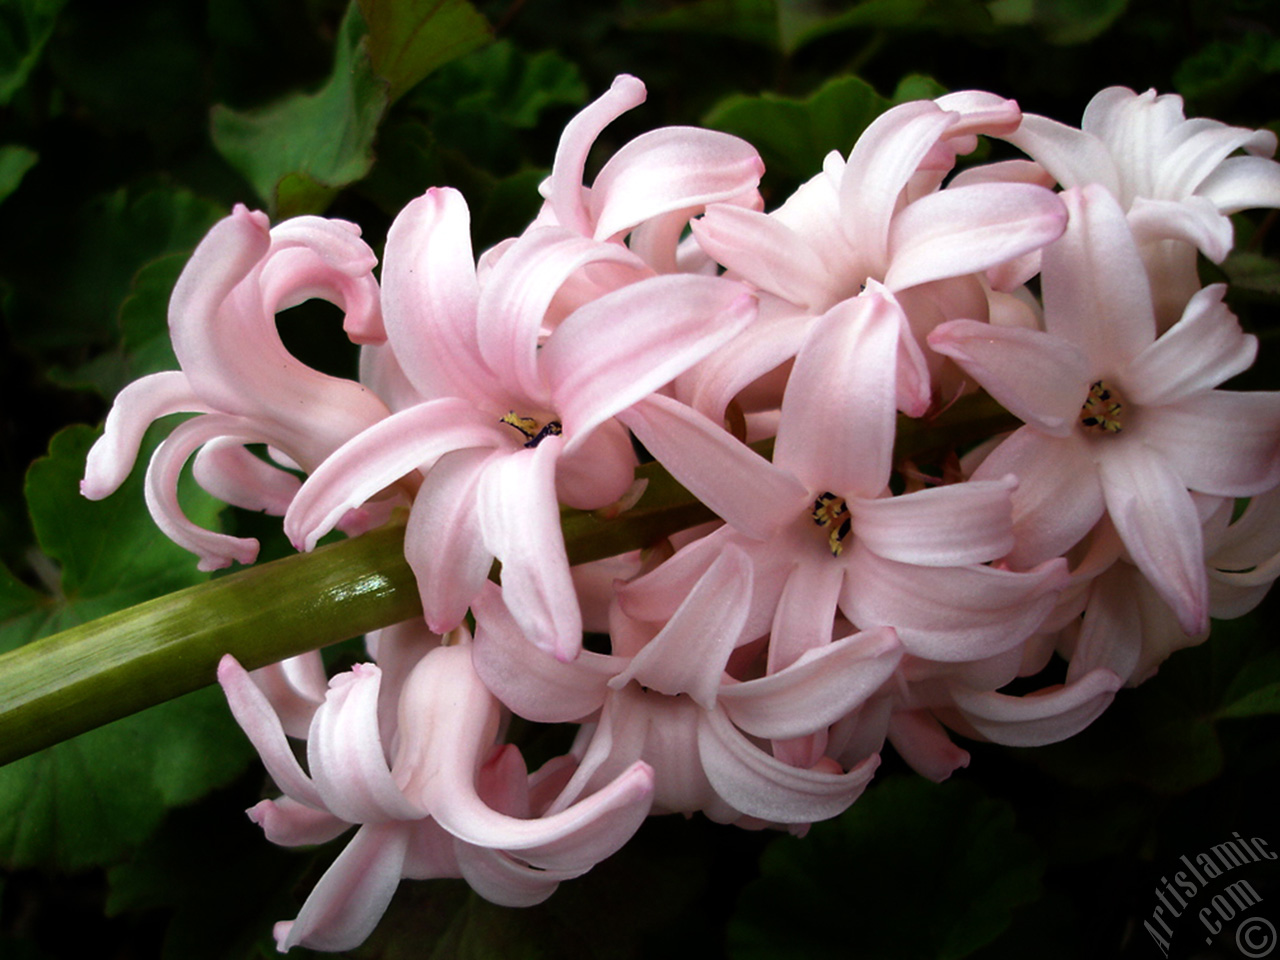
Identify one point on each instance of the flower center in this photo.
(534, 432)
(1102, 408)
(832, 514)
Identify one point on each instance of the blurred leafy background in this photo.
(128, 128)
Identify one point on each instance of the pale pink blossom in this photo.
(647, 191)
(1118, 420)
(515, 420)
(1176, 179)
(666, 696)
(917, 562)
(877, 216)
(450, 802)
(238, 375)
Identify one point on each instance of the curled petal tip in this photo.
(625, 82)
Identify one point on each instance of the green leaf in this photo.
(71, 296)
(788, 25)
(15, 161)
(913, 870)
(299, 152)
(504, 83)
(1255, 691)
(1061, 22)
(25, 28)
(87, 801)
(477, 106)
(408, 39)
(1223, 69)
(1253, 272)
(755, 21)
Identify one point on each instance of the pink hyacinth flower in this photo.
(1117, 419)
(915, 562)
(870, 219)
(1176, 179)
(449, 803)
(239, 376)
(516, 420)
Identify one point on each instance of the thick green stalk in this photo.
(70, 682)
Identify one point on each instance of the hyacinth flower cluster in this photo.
(752, 669)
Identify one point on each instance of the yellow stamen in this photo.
(1101, 409)
(831, 512)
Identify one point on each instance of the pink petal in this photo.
(880, 164)
(352, 895)
(949, 613)
(1242, 183)
(500, 879)
(689, 654)
(448, 721)
(1193, 219)
(224, 258)
(618, 349)
(749, 492)
(336, 265)
(1058, 498)
(1039, 378)
(262, 726)
(1093, 278)
(964, 230)
(1196, 354)
(839, 412)
(1220, 442)
(805, 612)
(1158, 523)
(672, 168)
(231, 473)
(403, 442)
(1039, 718)
(766, 252)
(518, 292)
(520, 523)
(939, 527)
(295, 688)
(530, 683)
(763, 786)
(922, 742)
(563, 189)
(216, 550)
(1073, 157)
(815, 691)
(288, 823)
(773, 339)
(430, 295)
(136, 407)
(443, 541)
(345, 752)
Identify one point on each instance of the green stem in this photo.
(62, 685)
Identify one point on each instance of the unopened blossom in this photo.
(238, 375)
(1118, 420)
